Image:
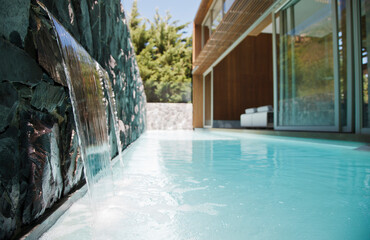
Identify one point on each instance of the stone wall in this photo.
(169, 116)
(39, 154)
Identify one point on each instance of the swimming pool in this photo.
(212, 185)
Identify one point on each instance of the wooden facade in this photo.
(197, 101)
(197, 45)
(244, 78)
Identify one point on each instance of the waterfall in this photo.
(87, 82)
(113, 108)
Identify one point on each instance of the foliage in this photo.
(163, 56)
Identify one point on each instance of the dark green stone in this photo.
(47, 97)
(8, 104)
(14, 20)
(17, 65)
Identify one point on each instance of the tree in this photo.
(164, 57)
(139, 34)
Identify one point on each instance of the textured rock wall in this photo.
(39, 155)
(169, 116)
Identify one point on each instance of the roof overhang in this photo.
(245, 17)
(202, 11)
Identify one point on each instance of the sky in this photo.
(182, 10)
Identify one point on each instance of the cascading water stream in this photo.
(86, 81)
(113, 109)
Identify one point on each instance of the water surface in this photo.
(207, 185)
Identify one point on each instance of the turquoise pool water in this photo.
(212, 185)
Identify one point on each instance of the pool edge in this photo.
(40, 228)
(298, 134)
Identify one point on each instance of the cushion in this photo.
(250, 110)
(267, 108)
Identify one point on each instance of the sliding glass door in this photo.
(321, 67)
(208, 100)
(362, 19)
(308, 87)
(345, 62)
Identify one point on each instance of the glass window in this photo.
(306, 81)
(227, 5)
(212, 20)
(365, 45)
(206, 30)
(342, 53)
(217, 14)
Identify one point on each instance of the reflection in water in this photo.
(306, 81)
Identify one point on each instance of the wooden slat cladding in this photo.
(244, 78)
(242, 14)
(257, 30)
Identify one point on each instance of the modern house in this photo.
(306, 58)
